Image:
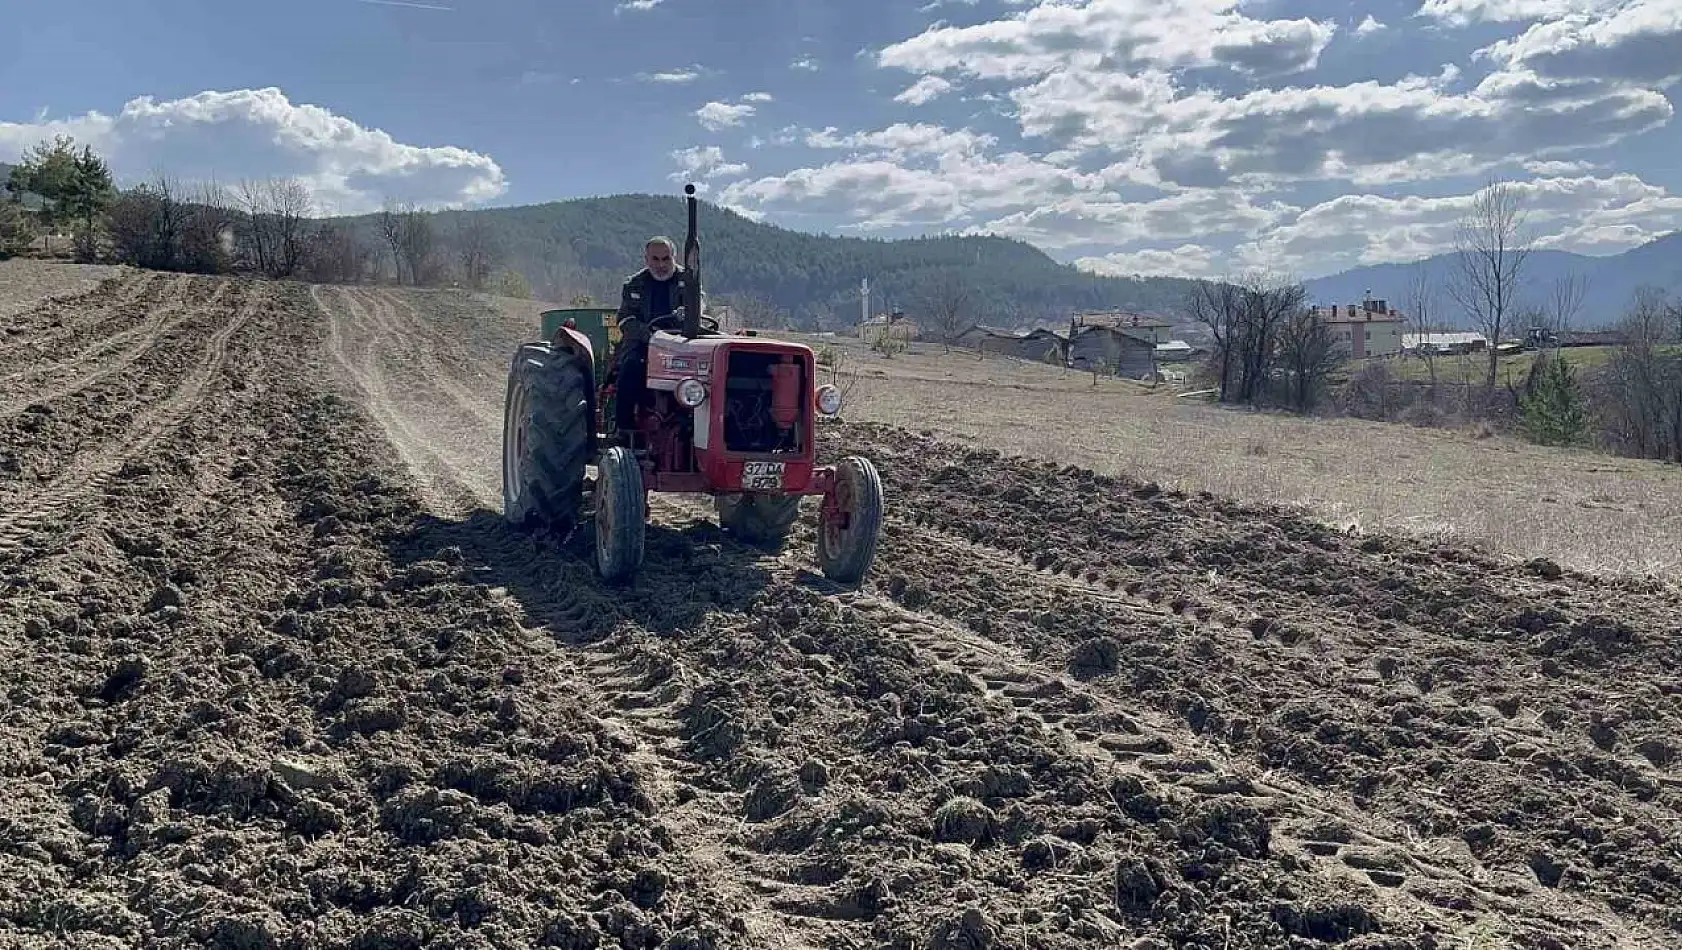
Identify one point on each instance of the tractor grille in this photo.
(749, 425)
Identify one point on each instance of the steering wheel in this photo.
(673, 322)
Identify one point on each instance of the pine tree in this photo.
(90, 198)
(1555, 411)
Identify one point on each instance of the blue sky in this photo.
(1202, 137)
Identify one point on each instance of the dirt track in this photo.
(280, 677)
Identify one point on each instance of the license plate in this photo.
(762, 476)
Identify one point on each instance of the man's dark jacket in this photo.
(635, 304)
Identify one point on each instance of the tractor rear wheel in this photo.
(758, 519)
(621, 514)
(850, 523)
(546, 427)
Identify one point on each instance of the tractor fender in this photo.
(574, 342)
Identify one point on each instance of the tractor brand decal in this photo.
(679, 363)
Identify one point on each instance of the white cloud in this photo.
(1365, 132)
(260, 133)
(908, 175)
(1187, 260)
(924, 91)
(1573, 214)
(637, 5)
(1095, 219)
(674, 76)
(1559, 168)
(719, 115)
(1467, 12)
(757, 97)
(1160, 139)
(1640, 42)
(902, 139)
(1116, 36)
(703, 162)
(806, 63)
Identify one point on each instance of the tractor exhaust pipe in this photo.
(692, 267)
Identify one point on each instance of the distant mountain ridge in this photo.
(1612, 279)
(591, 244)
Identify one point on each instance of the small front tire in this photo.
(621, 515)
(850, 524)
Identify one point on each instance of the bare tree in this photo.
(333, 255)
(1215, 304)
(944, 298)
(1245, 317)
(149, 223)
(477, 250)
(1421, 304)
(1642, 408)
(1566, 301)
(1306, 352)
(1491, 246)
(252, 199)
(419, 246)
(391, 229)
(208, 244)
(290, 204)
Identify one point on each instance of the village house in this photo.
(893, 325)
(1365, 330)
(1140, 325)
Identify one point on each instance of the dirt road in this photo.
(278, 676)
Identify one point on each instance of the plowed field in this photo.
(278, 676)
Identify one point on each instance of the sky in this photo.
(1198, 138)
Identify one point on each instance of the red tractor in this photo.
(729, 415)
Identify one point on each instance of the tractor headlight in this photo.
(691, 392)
(829, 399)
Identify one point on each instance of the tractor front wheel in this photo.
(758, 519)
(621, 514)
(851, 521)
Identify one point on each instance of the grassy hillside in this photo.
(590, 244)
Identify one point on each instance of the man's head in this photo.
(660, 254)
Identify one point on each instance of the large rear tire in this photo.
(850, 523)
(758, 519)
(621, 514)
(545, 437)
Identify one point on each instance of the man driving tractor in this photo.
(650, 293)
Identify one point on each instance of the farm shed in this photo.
(1039, 346)
(1443, 344)
(1121, 351)
(1176, 351)
(979, 337)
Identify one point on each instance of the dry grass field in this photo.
(1469, 369)
(1590, 511)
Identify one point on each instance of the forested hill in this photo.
(590, 245)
